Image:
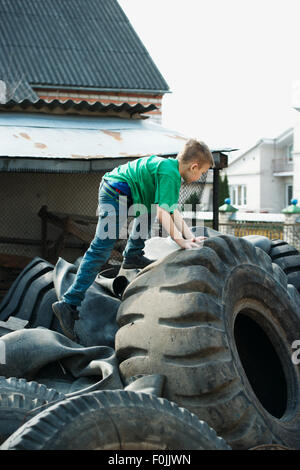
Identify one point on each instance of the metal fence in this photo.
(269, 230)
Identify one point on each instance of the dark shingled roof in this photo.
(76, 43)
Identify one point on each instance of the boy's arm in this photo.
(182, 226)
(184, 229)
(168, 223)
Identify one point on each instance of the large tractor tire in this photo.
(115, 419)
(20, 401)
(219, 323)
(288, 258)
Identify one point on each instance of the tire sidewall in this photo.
(280, 324)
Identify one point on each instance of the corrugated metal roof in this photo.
(83, 105)
(74, 137)
(17, 91)
(18, 94)
(64, 143)
(76, 43)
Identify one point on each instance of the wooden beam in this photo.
(74, 229)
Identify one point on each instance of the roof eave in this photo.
(36, 86)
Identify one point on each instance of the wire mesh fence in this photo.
(24, 194)
(191, 193)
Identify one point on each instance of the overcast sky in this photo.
(230, 64)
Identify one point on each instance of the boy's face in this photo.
(194, 172)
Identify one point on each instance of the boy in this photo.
(144, 182)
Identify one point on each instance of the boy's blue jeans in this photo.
(112, 216)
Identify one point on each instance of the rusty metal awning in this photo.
(56, 143)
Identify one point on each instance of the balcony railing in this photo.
(280, 165)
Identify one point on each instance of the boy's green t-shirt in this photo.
(152, 180)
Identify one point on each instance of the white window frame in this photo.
(234, 194)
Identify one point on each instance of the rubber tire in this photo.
(178, 318)
(288, 258)
(20, 401)
(115, 419)
(11, 292)
(31, 294)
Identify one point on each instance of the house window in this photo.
(238, 194)
(289, 194)
(245, 195)
(233, 197)
(290, 150)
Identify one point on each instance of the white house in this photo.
(263, 179)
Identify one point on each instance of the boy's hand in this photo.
(199, 239)
(186, 244)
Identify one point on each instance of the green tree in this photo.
(226, 187)
(223, 189)
(193, 199)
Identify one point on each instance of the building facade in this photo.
(263, 179)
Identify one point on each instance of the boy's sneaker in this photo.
(136, 262)
(67, 317)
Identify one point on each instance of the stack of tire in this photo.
(34, 417)
(288, 258)
(219, 323)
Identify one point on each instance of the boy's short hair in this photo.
(195, 150)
